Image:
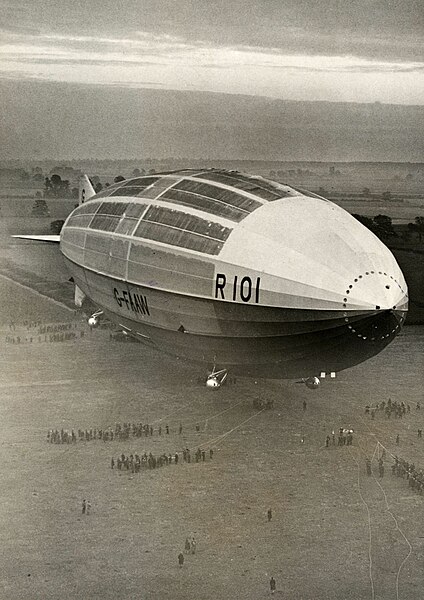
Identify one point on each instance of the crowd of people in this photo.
(123, 431)
(408, 471)
(136, 463)
(390, 408)
(344, 437)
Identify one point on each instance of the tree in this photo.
(56, 187)
(136, 172)
(366, 221)
(384, 226)
(419, 227)
(56, 226)
(98, 187)
(40, 208)
(119, 178)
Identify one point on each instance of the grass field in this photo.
(317, 544)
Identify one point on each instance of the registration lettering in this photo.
(243, 288)
(137, 303)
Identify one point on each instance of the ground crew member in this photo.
(181, 559)
(269, 515)
(368, 465)
(272, 585)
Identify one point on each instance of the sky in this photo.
(332, 50)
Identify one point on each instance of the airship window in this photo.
(126, 226)
(104, 222)
(214, 207)
(126, 191)
(112, 208)
(258, 187)
(217, 193)
(79, 220)
(167, 260)
(157, 188)
(107, 191)
(178, 237)
(140, 182)
(135, 210)
(89, 208)
(180, 220)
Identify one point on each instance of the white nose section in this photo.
(376, 290)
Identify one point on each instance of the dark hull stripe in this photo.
(298, 348)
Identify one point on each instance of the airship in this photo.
(236, 272)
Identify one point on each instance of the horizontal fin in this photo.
(53, 239)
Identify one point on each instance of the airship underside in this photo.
(237, 271)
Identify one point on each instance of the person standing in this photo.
(269, 514)
(368, 465)
(181, 559)
(84, 506)
(272, 585)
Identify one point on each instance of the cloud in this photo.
(334, 55)
(373, 29)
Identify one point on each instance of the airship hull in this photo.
(268, 342)
(238, 272)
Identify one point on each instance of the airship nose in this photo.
(379, 325)
(376, 291)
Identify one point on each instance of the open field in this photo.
(317, 544)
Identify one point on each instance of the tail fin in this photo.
(86, 190)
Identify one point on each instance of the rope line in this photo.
(397, 527)
(401, 533)
(369, 527)
(221, 437)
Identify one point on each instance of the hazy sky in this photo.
(338, 50)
